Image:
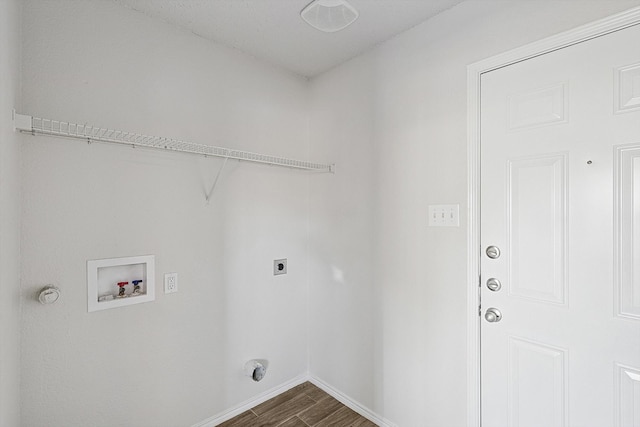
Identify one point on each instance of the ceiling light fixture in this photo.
(329, 15)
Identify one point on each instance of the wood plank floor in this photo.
(302, 406)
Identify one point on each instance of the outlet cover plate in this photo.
(170, 283)
(279, 266)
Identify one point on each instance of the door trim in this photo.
(583, 33)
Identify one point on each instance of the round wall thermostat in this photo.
(49, 295)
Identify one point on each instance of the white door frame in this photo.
(474, 72)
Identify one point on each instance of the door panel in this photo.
(627, 235)
(628, 390)
(536, 208)
(560, 197)
(537, 384)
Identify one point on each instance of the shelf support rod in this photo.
(215, 181)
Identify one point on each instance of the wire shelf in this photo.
(37, 125)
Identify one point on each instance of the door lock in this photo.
(494, 285)
(493, 252)
(493, 315)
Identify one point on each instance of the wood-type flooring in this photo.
(302, 406)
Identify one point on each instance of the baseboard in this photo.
(250, 403)
(269, 394)
(350, 403)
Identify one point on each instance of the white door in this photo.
(560, 200)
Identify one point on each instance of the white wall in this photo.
(9, 215)
(178, 360)
(390, 329)
(386, 306)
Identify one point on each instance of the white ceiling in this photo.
(272, 30)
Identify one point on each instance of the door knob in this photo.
(494, 284)
(493, 315)
(493, 252)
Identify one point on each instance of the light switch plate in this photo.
(444, 215)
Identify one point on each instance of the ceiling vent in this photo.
(329, 15)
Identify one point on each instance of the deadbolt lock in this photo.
(494, 284)
(493, 252)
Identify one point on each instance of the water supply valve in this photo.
(122, 285)
(136, 286)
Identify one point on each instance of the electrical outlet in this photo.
(279, 266)
(170, 283)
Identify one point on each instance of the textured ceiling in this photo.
(272, 30)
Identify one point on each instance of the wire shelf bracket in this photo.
(39, 126)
